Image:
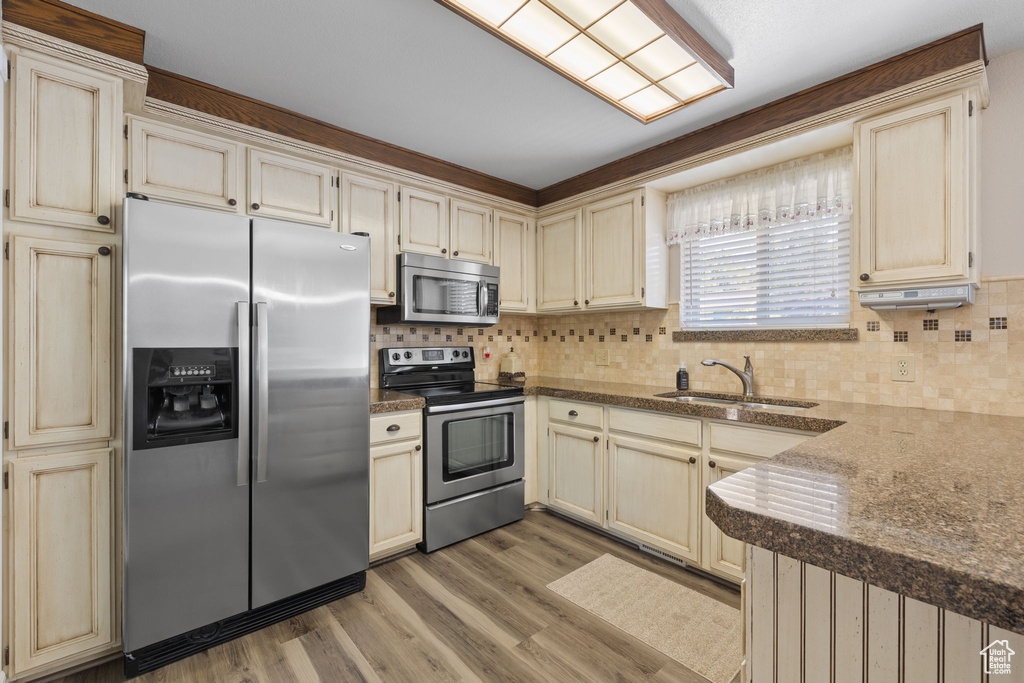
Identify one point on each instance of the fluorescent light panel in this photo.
(610, 46)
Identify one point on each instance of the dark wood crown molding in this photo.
(76, 25)
(922, 62)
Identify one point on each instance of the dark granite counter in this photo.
(386, 401)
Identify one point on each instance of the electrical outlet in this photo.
(903, 369)
(601, 357)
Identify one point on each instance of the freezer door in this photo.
(310, 497)
(186, 507)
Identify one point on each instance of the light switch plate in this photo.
(903, 369)
(601, 357)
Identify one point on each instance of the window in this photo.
(796, 275)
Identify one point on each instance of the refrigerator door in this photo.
(186, 506)
(310, 497)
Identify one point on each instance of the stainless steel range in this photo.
(474, 437)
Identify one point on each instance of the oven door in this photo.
(471, 447)
(440, 296)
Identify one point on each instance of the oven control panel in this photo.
(429, 356)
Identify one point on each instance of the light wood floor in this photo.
(478, 610)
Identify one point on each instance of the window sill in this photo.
(772, 335)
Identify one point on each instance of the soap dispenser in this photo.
(682, 378)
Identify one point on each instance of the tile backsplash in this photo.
(968, 359)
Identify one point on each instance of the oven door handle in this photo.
(459, 407)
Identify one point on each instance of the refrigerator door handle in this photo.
(263, 391)
(244, 337)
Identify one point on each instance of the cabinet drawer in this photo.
(685, 430)
(756, 441)
(576, 413)
(382, 427)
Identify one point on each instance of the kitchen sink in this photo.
(737, 402)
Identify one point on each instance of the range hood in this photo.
(918, 299)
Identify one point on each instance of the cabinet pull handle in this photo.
(573, 413)
(393, 428)
(455, 253)
(104, 251)
(711, 464)
(864, 277)
(418, 447)
(596, 439)
(232, 202)
(255, 206)
(693, 460)
(102, 220)
(444, 251)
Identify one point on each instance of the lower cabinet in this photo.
(62, 575)
(576, 477)
(652, 494)
(723, 554)
(396, 483)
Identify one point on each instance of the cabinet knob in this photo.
(444, 251)
(864, 277)
(103, 220)
(391, 293)
(104, 251)
(575, 303)
(596, 439)
(419, 447)
(255, 206)
(455, 253)
(573, 413)
(693, 460)
(393, 428)
(586, 302)
(232, 202)
(711, 464)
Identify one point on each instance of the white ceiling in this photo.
(413, 73)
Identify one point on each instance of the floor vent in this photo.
(187, 644)
(662, 554)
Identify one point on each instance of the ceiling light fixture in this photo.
(639, 55)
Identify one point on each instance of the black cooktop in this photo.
(463, 392)
(441, 375)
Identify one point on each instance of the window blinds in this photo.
(796, 275)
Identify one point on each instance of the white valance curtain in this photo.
(800, 190)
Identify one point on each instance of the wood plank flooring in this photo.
(475, 611)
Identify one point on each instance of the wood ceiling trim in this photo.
(922, 62)
(209, 99)
(662, 14)
(76, 25)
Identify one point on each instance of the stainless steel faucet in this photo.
(746, 376)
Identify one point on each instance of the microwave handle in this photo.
(481, 299)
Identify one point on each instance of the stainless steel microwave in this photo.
(440, 291)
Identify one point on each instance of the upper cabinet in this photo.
(559, 261)
(425, 222)
(471, 232)
(609, 254)
(66, 143)
(514, 255)
(292, 189)
(368, 205)
(168, 162)
(915, 211)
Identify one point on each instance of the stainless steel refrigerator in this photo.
(246, 394)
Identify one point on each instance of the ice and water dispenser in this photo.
(183, 396)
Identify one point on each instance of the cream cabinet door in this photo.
(559, 261)
(472, 232)
(913, 205)
(513, 254)
(425, 222)
(66, 143)
(723, 554)
(614, 252)
(654, 494)
(396, 497)
(62, 579)
(168, 162)
(60, 342)
(292, 189)
(368, 205)
(576, 474)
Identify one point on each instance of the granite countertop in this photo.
(387, 401)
